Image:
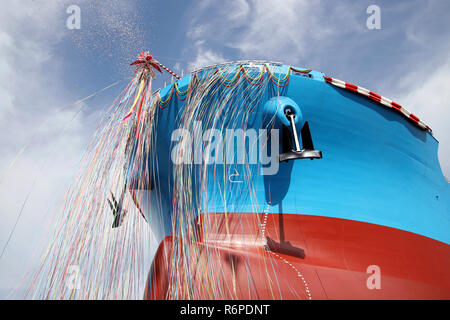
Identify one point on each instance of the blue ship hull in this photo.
(379, 172)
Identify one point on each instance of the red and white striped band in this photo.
(168, 70)
(380, 99)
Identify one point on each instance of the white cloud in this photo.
(30, 77)
(427, 95)
(272, 30)
(205, 57)
(32, 88)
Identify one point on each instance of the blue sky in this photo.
(44, 66)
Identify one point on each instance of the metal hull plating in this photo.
(316, 258)
(377, 197)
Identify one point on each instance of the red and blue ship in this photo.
(360, 209)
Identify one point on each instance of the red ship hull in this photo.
(290, 256)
